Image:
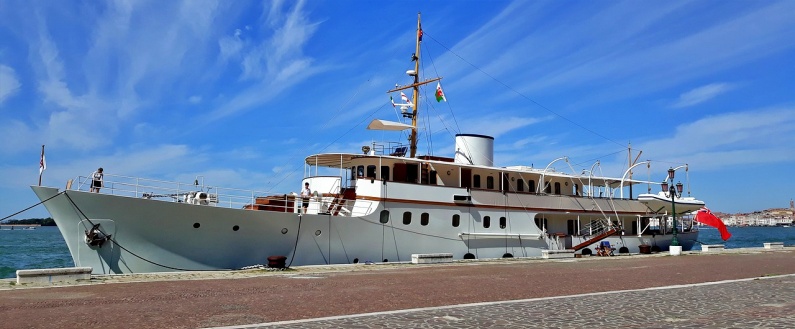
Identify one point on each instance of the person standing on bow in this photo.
(96, 180)
(305, 194)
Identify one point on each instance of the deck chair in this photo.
(399, 151)
(605, 249)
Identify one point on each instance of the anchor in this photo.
(95, 237)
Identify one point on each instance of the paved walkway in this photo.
(749, 303)
(622, 291)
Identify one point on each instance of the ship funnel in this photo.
(474, 149)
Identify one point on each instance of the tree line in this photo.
(41, 221)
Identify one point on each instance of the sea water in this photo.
(45, 248)
(21, 249)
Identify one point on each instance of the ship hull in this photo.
(159, 236)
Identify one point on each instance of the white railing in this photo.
(217, 196)
(167, 190)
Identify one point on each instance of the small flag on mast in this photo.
(42, 164)
(392, 100)
(439, 93)
(404, 97)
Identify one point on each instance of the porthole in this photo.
(386, 260)
(424, 218)
(406, 218)
(196, 225)
(356, 260)
(456, 220)
(384, 216)
(486, 222)
(235, 228)
(503, 222)
(284, 230)
(317, 233)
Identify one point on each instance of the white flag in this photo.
(42, 163)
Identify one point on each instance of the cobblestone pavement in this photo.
(752, 303)
(571, 293)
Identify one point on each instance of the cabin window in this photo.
(531, 186)
(577, 189)
(424, 218)
(490, 182)
(432, 178)
(505, 186)
(456, 220)
(371, 171)
(541, 223)
(385, 172)
(360, 171)
(406, 218)
(557, 187)
(384, 216)
(571, 227)
(412, 171)
(519, 185)
(503, 222)
(353, 173)
(486, 222)
(466, 178)
(476, 181)
(634, 227)
(548, 188)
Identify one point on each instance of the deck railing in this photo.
(137, 187)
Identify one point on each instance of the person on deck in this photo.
(305, 194)
(96, 180)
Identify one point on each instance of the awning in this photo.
(377, 124)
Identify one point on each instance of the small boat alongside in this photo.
(383, 204)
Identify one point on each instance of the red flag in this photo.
(705, 216)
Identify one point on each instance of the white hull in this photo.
(157, 236)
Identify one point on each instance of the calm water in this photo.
(28, 249)
(45, 248)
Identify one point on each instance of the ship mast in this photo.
(416, 96)
(415, 86)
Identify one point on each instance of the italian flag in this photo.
(439, 93)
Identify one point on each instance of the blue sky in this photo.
(241, 91)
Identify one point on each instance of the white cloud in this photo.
(702, 94)
(8, 83)
(759, 136)
(195, 99)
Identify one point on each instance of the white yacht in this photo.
(382, 203)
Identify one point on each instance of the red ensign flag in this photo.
(705, 216)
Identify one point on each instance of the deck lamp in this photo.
(674, 191)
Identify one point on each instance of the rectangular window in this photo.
(385, 172)
(519, 185)
(371, 171)
(476, 181)
(412, 172)
(466, 178)
(490, 182)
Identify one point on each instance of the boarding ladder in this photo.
(598, 230)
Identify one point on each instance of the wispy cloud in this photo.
(731, 139)
(702, 94)
(8, 83)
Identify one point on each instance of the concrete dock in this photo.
(737, 288)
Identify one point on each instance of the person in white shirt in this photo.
(305, 194)
(96, 180)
